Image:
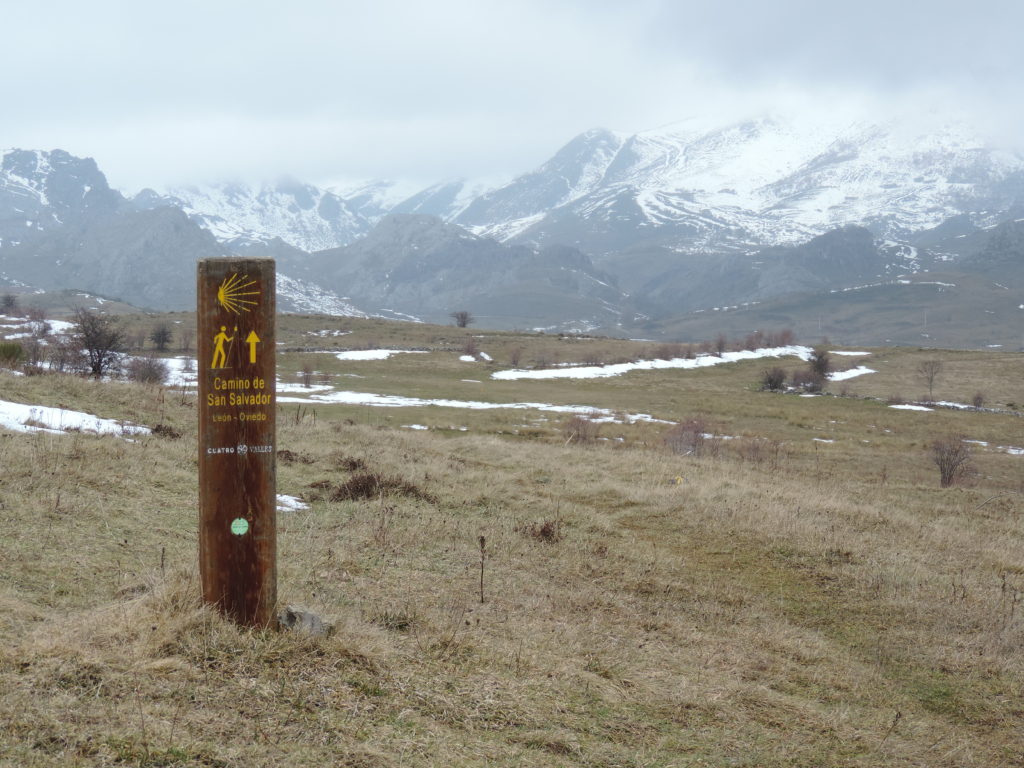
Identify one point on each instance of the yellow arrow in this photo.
(252, 340)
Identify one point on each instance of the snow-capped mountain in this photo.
(41, 191)
(695, 187)
(236, 214)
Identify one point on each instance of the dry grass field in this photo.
(794, 589)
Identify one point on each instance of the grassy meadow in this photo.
(779, 582)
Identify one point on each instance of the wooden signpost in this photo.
(237, 495)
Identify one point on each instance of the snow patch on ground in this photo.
(290, 503)
(860, 370)
(375, 354)
(19, 417)
(849, 353)
(602, 371)
(397, 401)
(909, 407)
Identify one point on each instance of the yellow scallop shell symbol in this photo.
(233, 296)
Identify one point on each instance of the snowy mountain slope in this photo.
(300, 214)
(41, 191)
(761, 182)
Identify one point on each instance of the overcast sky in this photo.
(173, 92)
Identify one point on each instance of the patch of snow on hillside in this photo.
(308, 298)
(848, 353)
(701, 361)
(910, 407)
(375, 354)
(19, 417)
(860, 370)
(290, 503)
(397, 401)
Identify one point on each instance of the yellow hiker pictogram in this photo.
(220, 357)
(232, 294)
(252, 340)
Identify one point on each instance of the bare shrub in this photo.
(754, 340)
(721, 343)
(161, 336)
(668, 351)
(462, 318)
(978, 401)
(692, 437)
(760, 451)
(166, 430)
(580, 430)
(306, 375)
(101, 338)
(773, 379)
(546, 531)
(515, 355)
(372, 485)
(783, 338)
(895, 399)
(66, 357)
(146, 370)
(807, 380)
(470, 347)
(820, 363)
(952, 456)
(9, 304)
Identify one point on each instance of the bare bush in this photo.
(783, 338)
(37, 324)
(470, 347)
(807, 380)
(820, 363)
(978, 401)
(146, 370)
(515, 355)
(754, 340)
(9, 304)
(161, 336)
(760, 451)
(953, 458)
(721, 344)
(66, 356)
(101, 338)
(669, 351)
(692, 437)
(773, 379)
(580, 430)
(306, 375)
(546, 531)
(462, 318)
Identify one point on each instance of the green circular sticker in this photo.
(239, 526)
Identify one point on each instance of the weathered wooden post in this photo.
(237, 495)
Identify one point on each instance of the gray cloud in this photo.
(325, 90)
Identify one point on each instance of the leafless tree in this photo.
(9, 304)
(820, 363)
(929, 370)
(462, 318)
(101, 338)
(953, 458)
(161, 336)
